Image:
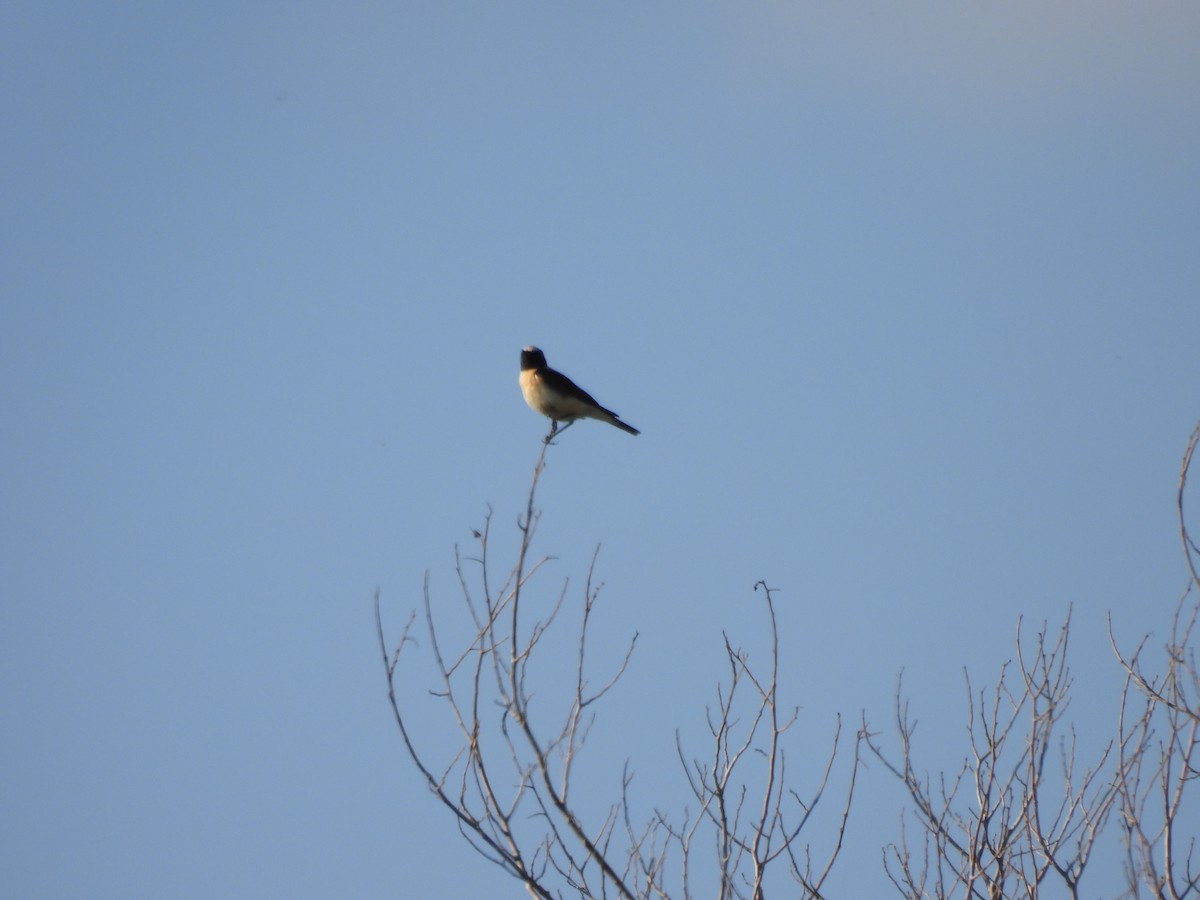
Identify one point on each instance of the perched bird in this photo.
(558, 398)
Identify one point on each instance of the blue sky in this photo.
(903, 298)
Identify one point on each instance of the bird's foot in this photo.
(556, 430)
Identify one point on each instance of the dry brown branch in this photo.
(755, 822)
(489, 671)
(1006, 821)
(1012, 820)
(1019, 814)
(509, 781)
(1159, 740)
(1159, 732)
(1191, 552)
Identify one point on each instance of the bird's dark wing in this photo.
(561, 384)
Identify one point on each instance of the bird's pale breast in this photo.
(549, 402)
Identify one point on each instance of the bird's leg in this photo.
(555, 430)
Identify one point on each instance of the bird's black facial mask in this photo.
(533, 358)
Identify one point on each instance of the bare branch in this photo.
(1012, 834)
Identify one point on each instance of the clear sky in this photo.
(905, 299)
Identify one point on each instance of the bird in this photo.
(558, 398)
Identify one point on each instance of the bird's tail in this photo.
(614, 419)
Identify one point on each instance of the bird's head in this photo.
(532, 358)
